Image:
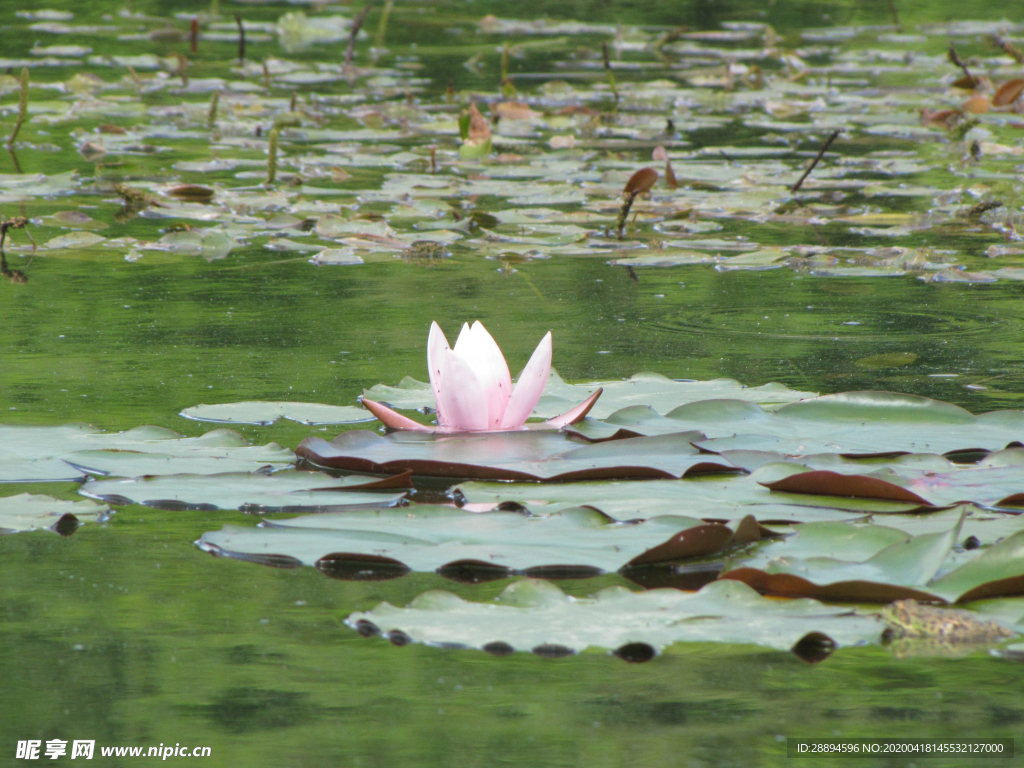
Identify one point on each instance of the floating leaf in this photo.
(997, 571)
(904, 569)
(723, 497)
(886, 360)
(264, 412)
(193, 193)
(74, 240)
(848, 423)
(287, 491)
(1008, 92)
(648, 389)
(77, 220)
(825, 483)
(28, 512)
(532, 615)
(37, 453)
(575, 542)
(528, 455)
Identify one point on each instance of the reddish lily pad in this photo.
(527, 455)
(825, 483)
(921, 567)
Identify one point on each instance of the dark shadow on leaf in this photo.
(474, 571)
(688, 578)
(348, 566)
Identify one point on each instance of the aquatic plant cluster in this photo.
(865, 152)
(366, 163)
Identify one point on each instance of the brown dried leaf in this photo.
(193, 193)
(977, 105)
(479, 130)
(967, 82)
(941, 118)
(641, 181)
(512, 110)
(1008, 92)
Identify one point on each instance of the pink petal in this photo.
(486, 360)
(462, 400)
(575, 414)
(392, 419)
(436, 346)
(529, 387)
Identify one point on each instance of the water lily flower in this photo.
(473, 388)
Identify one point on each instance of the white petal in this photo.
(437, 344)
(463, 341)
(486, 360)
(529, 387)
(462, 400)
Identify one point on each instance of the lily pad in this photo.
(33, 453)
(992, 486)
(525, 455)
(570, 543)
(650, 389)
(287, 491)
(533, 615)
(264, 412)
(29, 512)
(718, 497)
(922, 567)
(849, 424)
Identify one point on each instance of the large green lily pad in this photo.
(533, 615)
(702, 497)
(577, 541)
(850, 423)
(287, 491)
(14, 470)
(525, 455)
(29, 512)
(923, 567)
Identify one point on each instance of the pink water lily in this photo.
(473, 388)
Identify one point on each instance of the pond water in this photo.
(129, 634)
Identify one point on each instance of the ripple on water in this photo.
(864, 325)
